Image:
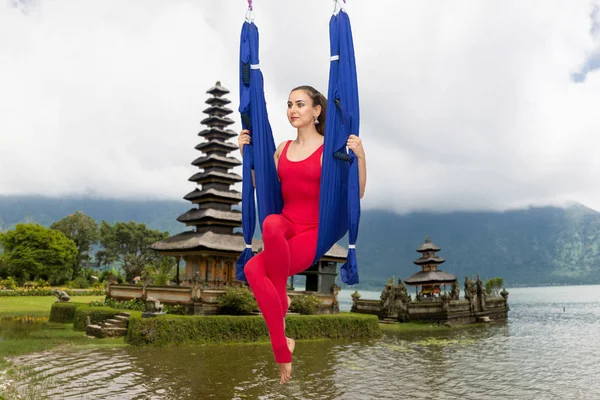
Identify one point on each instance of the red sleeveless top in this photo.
(300, 186)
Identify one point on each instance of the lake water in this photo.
(549, 349)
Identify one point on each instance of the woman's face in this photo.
(300, 110)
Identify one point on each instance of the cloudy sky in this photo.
(465, 105)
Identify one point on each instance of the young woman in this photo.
(290, 238)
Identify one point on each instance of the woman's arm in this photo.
(277, 155)
(243, 140)
(355, 144)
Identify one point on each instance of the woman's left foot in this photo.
(291, 344)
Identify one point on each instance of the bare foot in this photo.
(285, 369)
(291, 344)
(285, 372)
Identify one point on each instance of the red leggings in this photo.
(289, 248)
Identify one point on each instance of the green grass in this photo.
(51, 335)
(35, 305)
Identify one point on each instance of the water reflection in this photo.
(541, 353)
(20, 327)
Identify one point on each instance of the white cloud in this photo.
(465, 105)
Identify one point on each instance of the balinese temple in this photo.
(430, 278)
(430, 304)
(211, 248)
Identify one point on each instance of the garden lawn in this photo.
(35, 305)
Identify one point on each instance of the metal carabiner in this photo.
(337, 4)
(249, 15)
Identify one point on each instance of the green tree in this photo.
(493, 286)
(129, 244)
(83, 230)
(160, 271)
(3, 263)
(32, 251)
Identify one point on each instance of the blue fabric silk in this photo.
(259, 155)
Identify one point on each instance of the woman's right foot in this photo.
(285, 372)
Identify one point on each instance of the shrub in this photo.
(63, 312)
(493, 286)
(238, 301)
(41, 283)
(133, 304)
(9, 283)
(79, 283)
(306, 304)
(113, 273)
(177, 309)
(98, 285)
(179, 330)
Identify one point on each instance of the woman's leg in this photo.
(267, 275)
(303, 248)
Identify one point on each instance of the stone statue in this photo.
(469, 288)
(455, 293)
(445, 301)
(61, 295)
(153, 305)
(196, 294)
(401, 300)
(355, 296)
(335, 289)
(504, 293)
(388, 297)
(470, 292)
(402, 292)
(195, 279)
(481, 294)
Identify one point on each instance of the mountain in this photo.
(542, 245)
(159, 215)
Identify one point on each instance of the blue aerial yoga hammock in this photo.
(339, 210)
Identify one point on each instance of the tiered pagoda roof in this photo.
(429, 262)
(212, 216)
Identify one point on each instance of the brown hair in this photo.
(318, 100)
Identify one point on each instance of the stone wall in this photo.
(367, 307)
(452, 311)
(497, 308)
(200, 301)
(164, 294)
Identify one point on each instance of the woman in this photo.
(290, 238)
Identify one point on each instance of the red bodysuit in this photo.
(290, 243)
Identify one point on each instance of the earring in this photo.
(316, 121)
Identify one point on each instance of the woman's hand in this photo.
(355, 144)
(243, 140)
